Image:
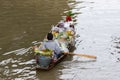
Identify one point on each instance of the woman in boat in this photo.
(52, 45)
(59, 27)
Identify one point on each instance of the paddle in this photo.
(82, 55)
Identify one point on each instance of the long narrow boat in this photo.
(52, 64)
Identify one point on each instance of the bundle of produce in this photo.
(46, 52)
(69, 32)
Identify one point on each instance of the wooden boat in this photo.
(54, 63)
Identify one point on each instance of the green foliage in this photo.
(70, 13)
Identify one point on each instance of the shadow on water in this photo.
(43, 75)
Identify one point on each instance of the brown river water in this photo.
(24, 23)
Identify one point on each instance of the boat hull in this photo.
(52, 65)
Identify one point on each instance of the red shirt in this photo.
(68, 18)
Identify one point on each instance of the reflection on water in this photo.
(115, 47)
(98, 27)
(18, 64)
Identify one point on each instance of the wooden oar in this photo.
(82, 55)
